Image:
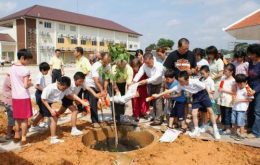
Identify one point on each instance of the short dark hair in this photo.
(204, 68)
(241, 78)
(212, 50)
(239, 53)
(199, 51)
(57, 50)
(183, 74)
(64, 81)
(44, 66)
(181, 41)
(139, 51)
(148, 55)
(79, 49)
(169, 73)
(78, 76)
(254, 49)
(26, 54)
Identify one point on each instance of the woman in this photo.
(254, 82)
(161, 53)
(123, 75)
(139, 54)
(216, 66)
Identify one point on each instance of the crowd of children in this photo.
(194, 87)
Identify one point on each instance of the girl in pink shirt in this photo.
(21, 82)
(240, 63)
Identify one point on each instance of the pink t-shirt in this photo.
(7, 92)
(17, 74)
(241, 68)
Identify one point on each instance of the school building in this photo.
(43, 29)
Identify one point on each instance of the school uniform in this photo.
(56, 63)
(52, 94)
(200, 97)
(178, 103)
(155, 79)
(89, 81)
(40, 80)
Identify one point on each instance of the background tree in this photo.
(152, 46)
(165, 43)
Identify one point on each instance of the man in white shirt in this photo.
(97, 81)
(154, 72)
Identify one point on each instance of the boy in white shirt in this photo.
(44, 68)
(200, 99)
(55, 93)
(240, 106)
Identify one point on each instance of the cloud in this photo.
(173, 23)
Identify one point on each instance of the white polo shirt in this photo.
(40, 80)
(52, 94)
(193, 87)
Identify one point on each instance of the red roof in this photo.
(6, 37)
(252, 19)
(48, 13)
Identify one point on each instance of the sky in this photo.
(201, 21)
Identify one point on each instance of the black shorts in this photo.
(44, 110)
(201, 100)
(66, 102)
(178, 110)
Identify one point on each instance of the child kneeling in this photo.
(200, 99)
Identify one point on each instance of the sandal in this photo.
(183, 130)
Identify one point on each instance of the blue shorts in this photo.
(178, 110)
(201, 100)
(9, 111)
(44, 110)
(238, 118)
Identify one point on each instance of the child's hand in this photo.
(167, 96)
(85, 103)
(251, 93)
(98, 95)
(53, 112)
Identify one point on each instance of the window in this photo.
(130, 46)
(61, 27)
(74, 41)
(83, 42)
(94, 43)
(47, 24)
(60, 40)
(102, 43)
(40, 22)
(73, 28)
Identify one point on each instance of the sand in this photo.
(183, 151)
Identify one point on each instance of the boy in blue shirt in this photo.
(178, 103)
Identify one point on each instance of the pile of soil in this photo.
(183, 151)
(3, 121)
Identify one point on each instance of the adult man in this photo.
(82, 63)
(57, 66)
(154, 71)
(95, 80)
(182, 59)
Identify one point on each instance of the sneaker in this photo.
(43, 125)
(233, 135)
(156, 123)
(195, 133)
(226, 132)
(76, 132)
(251, 136)
(55, 140)
(35, 129)
(217, 135)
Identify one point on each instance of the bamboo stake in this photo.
(114, 116)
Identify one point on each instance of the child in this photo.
(178, 109)
(54, 93)
(200, 99)
(140, 106)
(44, 68)
(226, 91)
(240, 64)
(20, 83)
(240, 106)
(7, 100)
(210, 87)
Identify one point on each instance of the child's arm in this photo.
(52, 111)
(39, 87)
(168, 92)
(27, 82)
(243, 100)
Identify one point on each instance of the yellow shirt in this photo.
(128, 71)
(56, 62)
(83, 65)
